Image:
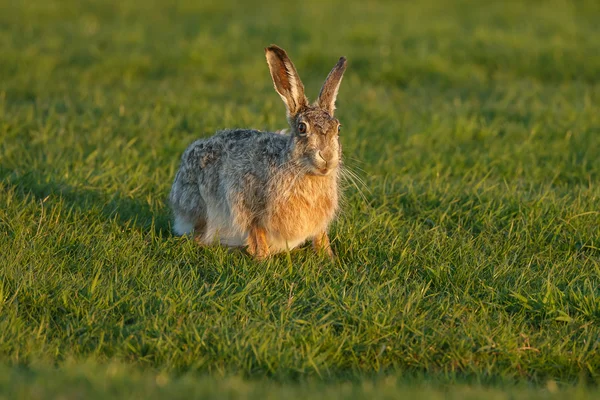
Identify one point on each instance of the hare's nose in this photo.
(322, 157)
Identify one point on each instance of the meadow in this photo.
(468, 248)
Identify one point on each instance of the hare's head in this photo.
(314, 129)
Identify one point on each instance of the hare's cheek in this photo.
(337, 146)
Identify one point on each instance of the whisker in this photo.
(355, 180)
(352, 166)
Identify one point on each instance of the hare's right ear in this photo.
(285, 79)
(330, 88)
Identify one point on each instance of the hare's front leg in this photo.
(321, 244)
(257, 243)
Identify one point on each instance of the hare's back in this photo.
(234, 144)
(248, 141)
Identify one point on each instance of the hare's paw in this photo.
(257, 243)
(321, 245)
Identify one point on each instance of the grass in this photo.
(468, 264)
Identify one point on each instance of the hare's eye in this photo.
(302, 127)
(339, 128)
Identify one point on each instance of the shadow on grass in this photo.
(127, 211)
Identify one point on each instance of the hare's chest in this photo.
(305, 212)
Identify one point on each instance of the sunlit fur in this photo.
(265, 190)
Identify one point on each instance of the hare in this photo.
(269, 191)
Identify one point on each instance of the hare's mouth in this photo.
(321, 171)
(318, 168)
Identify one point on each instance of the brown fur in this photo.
(310, 201)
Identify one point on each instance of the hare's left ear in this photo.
(286, 79)
(331, 86)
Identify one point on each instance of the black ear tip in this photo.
(275, 49)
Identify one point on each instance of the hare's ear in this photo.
(286, 80)
(331, 86)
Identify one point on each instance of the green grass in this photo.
(468, 266)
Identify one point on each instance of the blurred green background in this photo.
(468, 247)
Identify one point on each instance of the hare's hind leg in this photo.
(185, 225)
(189, 208)
(200, 231)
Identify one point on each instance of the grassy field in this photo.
(469, 260)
